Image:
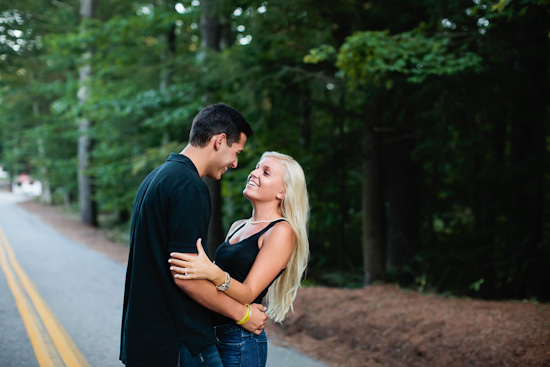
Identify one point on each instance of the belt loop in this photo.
(245, 333)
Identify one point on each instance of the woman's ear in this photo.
(281, 195)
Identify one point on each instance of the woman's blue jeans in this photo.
(208, 357)
(240, 348)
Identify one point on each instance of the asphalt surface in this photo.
(83, 289)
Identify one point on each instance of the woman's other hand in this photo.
(199, 266)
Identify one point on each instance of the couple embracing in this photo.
(181, 309)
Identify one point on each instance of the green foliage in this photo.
(476, 286)
(375, 56)
(321, 53)
(450, 85)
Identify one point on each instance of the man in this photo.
(166, 322)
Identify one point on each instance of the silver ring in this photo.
(185, 271)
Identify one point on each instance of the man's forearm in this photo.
(205, 293)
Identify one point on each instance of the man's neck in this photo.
(198, 156)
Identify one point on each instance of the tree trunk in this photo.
(402, 201)
(305, 103)
(342, 174)
(210, 25)
(166, 73)
(212, 39)
(373, 261)
(88, 210)
(46, 194)
(528, 155)
(215, 228)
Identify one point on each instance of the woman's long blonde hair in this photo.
(295, 208)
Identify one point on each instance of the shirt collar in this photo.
(177, 157)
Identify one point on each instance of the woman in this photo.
(265, 255)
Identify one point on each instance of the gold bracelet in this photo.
(247, 316)
(225, 284)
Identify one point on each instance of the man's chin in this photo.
(216, 177)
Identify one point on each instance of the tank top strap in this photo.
(235, 231)
(268, 227)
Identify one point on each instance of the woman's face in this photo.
(265, 182)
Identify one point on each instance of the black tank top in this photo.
(237, 259)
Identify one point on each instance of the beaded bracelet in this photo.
(222, 287)
(246, 316)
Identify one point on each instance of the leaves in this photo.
(445, 83)
(370, 56)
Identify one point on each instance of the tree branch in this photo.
(63, 5)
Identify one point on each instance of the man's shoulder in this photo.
(180, 169)
(181, 176)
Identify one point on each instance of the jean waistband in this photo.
(232, 328)
(228, 327)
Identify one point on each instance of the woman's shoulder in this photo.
(237, 223)
(234, 226)
(282, 228)
(281, 234)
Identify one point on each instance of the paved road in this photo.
(63, 299)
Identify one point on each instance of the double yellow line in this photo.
(51, 343)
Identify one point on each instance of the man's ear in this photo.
(219, 140)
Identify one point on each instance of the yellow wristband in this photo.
(246, 316)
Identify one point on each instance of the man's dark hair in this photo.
(216, 119)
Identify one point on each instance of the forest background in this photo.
(423, 126)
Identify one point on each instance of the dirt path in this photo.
(384, 326)
(387, 326)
